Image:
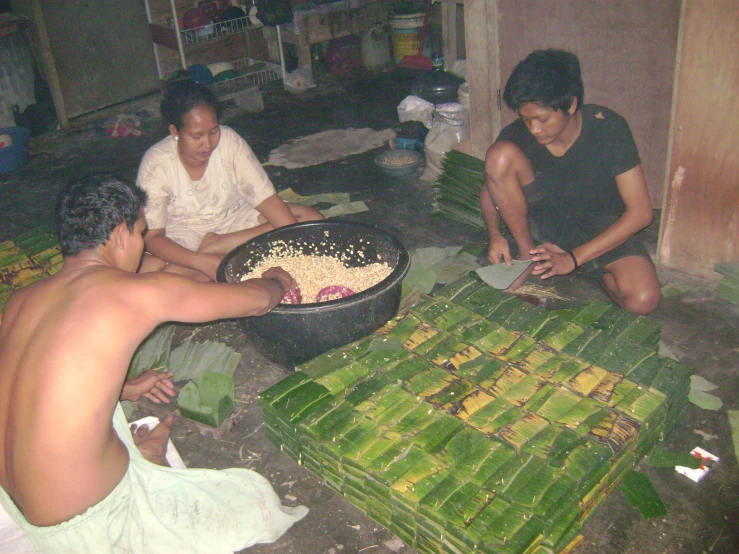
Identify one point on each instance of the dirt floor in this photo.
(697, 328)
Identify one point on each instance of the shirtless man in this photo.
(573, 170)
(65, 346)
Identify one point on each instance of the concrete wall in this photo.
(627, 55)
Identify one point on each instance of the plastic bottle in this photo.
(376, 47)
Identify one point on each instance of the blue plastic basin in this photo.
(14, 156)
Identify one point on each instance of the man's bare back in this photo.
(65, 346)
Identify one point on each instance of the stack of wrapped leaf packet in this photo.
(28, 258)
(478, 422)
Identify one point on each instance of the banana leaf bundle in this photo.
(458, 189)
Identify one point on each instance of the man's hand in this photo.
(282, 277)
(154, 385)
(498, 250)
(152, 443)
(550, 260)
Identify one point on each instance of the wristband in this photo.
(574, 259)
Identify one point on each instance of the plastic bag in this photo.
(414, 108)
(299, 80)
(450, 126)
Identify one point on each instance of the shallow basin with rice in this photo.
(398, 163)
(294, 333)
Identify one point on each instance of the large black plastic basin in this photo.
(292, 334)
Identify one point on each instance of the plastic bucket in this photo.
(14, 156)
(406, 34)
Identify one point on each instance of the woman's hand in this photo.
(550, 260)
(154, 385)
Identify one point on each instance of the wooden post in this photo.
(483, 72)
(49, 65)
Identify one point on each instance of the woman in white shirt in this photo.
(207, 191)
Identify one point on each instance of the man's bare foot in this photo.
(152, 443)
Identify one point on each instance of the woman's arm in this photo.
(276, 212)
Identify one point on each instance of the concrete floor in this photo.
(699, 330)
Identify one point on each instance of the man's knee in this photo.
(503, 160)
(642, 301)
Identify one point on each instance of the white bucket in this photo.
(406, 34)
(376, 48)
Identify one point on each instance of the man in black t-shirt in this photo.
(570, 175)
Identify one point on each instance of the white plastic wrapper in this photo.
(414, 108)
(450, 126)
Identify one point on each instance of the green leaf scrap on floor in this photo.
(664, 458)
(734, 423)
(384, 344)
(639, 490)
(699, 396)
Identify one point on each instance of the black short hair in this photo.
(183, 97)
(88, 209)
(549, 78)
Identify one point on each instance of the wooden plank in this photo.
(483, 74)
(449, 33)
(50, 65)
(701, 224)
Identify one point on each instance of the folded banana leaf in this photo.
(642, 408)
(191, 358)
(645, 371)
(423, 468)
(586, 459)
(494, 415)
(504, 527)
(616, 430)
(622, 355)
(278, 390)
(325, 363)
(301, 401)
(604, 390)
(526, 541)
(585, 408)
(581, 341)
(524, 315)
(562, 335)
(378, 359)
(568, 370)
(472, 403)
(392, 415)
(450, 317)
(643, 331)
(512, 489)
(541, 325)
(434, 437)
(591, 312)
(403, 328)
(510, 377)
(474, 329)
(344, 378)
(492, 512)
(454, 393)
(587, 380)
(523, 391)
(422, 334)
(485, 301)
(424, 380)
(498, 342)
(595, 347)
(558, 404)
(465, 357)
(444, 350)
(522, 348)
(548, 368)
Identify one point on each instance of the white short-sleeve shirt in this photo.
(222, 201)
